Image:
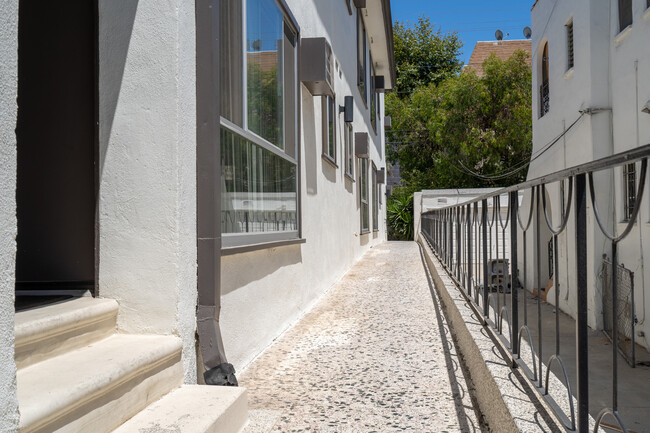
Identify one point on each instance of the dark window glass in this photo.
(329, 125)
(569, 35)
(375, 200)
(624, 14)
(363, 186)
(362, 56)
(373, 98)
(349, 150)
(544, 90)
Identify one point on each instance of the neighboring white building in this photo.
(188, 166)
(591, 60)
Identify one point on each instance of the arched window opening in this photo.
(545, 103)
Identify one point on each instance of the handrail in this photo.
(628, 157)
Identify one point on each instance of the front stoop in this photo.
(77, 374)
(193, 409)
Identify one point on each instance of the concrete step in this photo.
(100, 386)
(193, 409)
(45, 332)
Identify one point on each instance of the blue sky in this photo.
(474, 20)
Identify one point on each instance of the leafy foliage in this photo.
(466, 131)
(424, 55)
(399, 214)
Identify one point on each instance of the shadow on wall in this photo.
(309, 142)
(243, 269)
(116, 20)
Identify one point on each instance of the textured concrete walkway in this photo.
(374, 355)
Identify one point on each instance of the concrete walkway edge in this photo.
(503, 404)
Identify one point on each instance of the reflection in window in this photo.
(264, 28)
(258, 92)
(363, 186)
(258, 188)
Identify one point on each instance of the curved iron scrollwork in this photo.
(463, 235)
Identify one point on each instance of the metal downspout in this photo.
(208, 166)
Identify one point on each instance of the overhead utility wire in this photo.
(518, 167)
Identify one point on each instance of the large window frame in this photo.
(348, 137)
(260, 130)
(362, 58)
(363, 195)
(329, 129)
(375, 200)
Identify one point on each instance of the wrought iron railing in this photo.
(462, 236)
(544, 98)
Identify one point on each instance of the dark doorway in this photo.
(56, 135)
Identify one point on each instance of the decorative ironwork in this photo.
(462, 237)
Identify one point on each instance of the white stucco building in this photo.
(591, 60)
(202, 171)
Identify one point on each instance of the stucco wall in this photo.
(147, 207)
(265, 291)
(608, 73)
(8, 224)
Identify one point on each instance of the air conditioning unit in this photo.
(361, 144)
(380, 84)
(388, 122)
(381, 176)
(316, 66)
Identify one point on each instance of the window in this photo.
(569, 37)
(258, 100)
(362, 56)
(349, 150)
(544, 91)
(624, 14)
(375, 200)
(329, 128)
(363, 186)
(373, 97)
(629, 190)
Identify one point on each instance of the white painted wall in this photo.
(266, 291)
(8, 224)
(607, 65)
(147, 205)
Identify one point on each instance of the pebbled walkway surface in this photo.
(374, 355)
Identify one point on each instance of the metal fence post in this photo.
(469, 250)
(514, 280)
(582, 349)
(486, 307)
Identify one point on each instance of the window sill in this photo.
(349, 177)
(569, 73)
(229, 251)
(329, 159)
(622, 35)
(365, 232)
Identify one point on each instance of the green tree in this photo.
(424, 55)
(467, 131)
